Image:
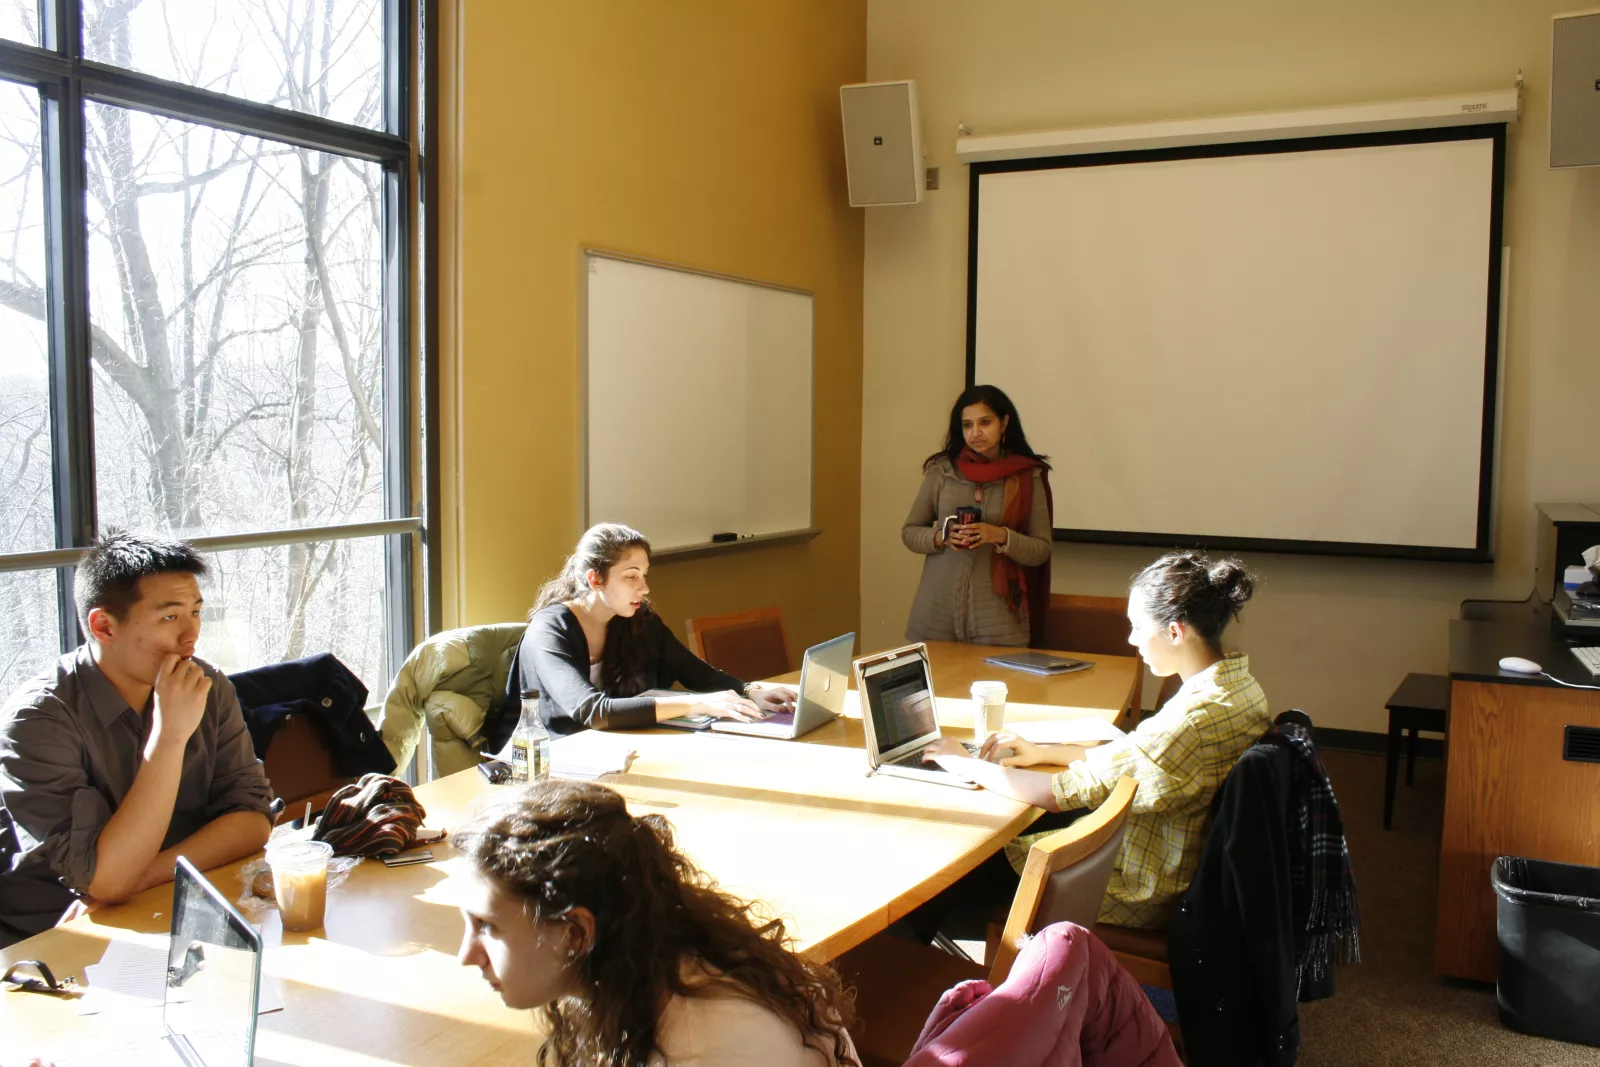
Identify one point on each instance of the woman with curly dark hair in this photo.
(630, 954)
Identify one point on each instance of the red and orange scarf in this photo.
(1026, 590)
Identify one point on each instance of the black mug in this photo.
(968, 514)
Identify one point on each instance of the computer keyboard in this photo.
(1590, 658)
(915, 759)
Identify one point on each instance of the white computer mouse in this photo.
(1518, 665)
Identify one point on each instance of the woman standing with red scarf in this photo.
(986, 581)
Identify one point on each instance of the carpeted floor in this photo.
(1392, 1009)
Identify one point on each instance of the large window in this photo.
(207, 219)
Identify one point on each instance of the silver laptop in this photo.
(899, 715)
(212, 987)
(824, 680)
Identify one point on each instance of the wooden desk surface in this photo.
(801, 827)
(1109, 690)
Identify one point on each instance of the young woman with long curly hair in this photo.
(629, 953)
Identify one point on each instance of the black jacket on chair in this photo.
(1231, 942)
(323, 689)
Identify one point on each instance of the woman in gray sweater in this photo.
(985, 580)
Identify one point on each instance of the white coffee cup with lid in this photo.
(988, 708)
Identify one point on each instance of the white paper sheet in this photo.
(590, 754)
(132, 974)
(1089, 730)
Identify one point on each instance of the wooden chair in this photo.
(1144, 952)
(746, 644)
(899, 981)
(1169, 689)
(1097, 624)
(300, 768)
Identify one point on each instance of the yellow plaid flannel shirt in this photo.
(1179, 757)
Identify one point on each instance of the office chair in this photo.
(746, 644)
(299, 767)
(1097, 624)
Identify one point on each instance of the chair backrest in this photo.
(1169, 689)
(299, 766)
(474, 661)
(746, 644)
(1097, 624)
(1066, 876)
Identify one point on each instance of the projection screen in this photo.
(1285, 346)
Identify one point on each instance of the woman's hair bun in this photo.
(1232, 580)
(1190, 587)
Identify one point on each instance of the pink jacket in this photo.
(1066, 1003)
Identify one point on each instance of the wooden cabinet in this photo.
(1508, 792)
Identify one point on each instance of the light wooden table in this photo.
(800, 827)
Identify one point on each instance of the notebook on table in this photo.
(898, 715)
(1038, 663)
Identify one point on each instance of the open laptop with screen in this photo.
(824, 680)
(212, 987)
(899, 715)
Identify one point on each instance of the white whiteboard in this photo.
(697, 401)
(1282, 350)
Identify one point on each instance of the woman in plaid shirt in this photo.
(1178, 608)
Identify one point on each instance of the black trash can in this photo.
(1549, 923)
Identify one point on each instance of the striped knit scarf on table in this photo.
(376, 816)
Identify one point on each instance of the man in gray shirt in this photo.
(128, 753)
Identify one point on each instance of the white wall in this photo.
(1331, 636)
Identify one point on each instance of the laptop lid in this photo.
(897, 704)
(824, 680)
(213, 975)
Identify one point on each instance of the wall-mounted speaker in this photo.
(1575, 91)
(882, 143)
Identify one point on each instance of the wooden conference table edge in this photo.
(69, 948)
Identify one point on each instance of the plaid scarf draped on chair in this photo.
(1322, 881)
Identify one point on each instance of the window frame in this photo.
(67, 83)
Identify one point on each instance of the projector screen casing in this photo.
(1468, 516)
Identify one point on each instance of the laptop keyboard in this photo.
(915, 759)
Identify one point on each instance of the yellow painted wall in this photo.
(704, 133)
(1331, 636)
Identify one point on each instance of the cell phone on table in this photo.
(689, 722)
(405, 859)
(496, 772)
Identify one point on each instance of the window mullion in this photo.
(61, 27)
(67, 290)
(426, 132)
(399, 565)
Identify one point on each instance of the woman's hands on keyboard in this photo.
(771, 699)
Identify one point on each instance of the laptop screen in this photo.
(900, 700)
(213, 975)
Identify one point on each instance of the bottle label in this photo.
(539, 759)
(519, 759)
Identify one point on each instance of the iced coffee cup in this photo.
(300, 881)
(988, 708)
